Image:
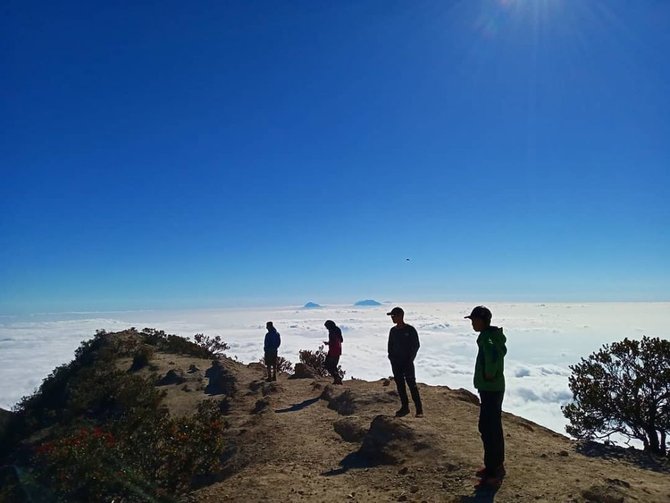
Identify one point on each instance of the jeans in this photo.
(490, 428)
(403, 372)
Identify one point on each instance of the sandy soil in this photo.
(307, 440)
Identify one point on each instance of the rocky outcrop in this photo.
(347, 401)
(173, 376)
(302, 371)
(221, 381)
(392, 441)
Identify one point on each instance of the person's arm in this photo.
(390, 344)
(492, 359)
(414, 343)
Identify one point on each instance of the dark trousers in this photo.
(403, 372)
(331, 366)
(490, 428)
(271, 362)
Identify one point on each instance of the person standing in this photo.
(403, 345)
(489, 379)
(334, 344)
(271, 346)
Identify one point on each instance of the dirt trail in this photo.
(307, 440)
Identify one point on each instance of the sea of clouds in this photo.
(542, 340)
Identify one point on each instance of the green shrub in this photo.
(203, 347)
(142, 357)
(623, 388)
(283, 365)
(105, 435)
(315, 360)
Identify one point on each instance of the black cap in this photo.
(481, 313)
(396, 310)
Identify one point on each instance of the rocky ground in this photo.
(307, 440)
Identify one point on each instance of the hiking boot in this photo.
(402, 411)
(489, 483)
(419, 413)
(499, 472)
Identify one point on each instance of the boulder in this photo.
(347, 401)
(221, 380)
(465, 396)
(350, 429)
(173, 376)
(391, 441)
(302, 371)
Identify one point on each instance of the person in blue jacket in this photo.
(270, 346)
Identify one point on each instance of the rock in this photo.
(257, 366)
(302, 371)
(221, 380)
(386, 382)
(391, 441)
(465, 396)
(346, 401)
(173, 376)
(349, 429)
(269, 388)
(618, 482)
(262, 405)
(193, 368)
(403, 471)
(564, 454)
(602, 494)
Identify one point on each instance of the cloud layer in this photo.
(543, 340)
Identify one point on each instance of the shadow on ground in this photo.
(484, 495)
(634, 456)
(352, 461)
(299, 406)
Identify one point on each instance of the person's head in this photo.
(397, 315)
(329, 324)
(269, 325)
(480, 318)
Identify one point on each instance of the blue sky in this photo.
(194, 154)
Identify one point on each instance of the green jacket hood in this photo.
(497, 338)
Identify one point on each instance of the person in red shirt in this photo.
(334, 344)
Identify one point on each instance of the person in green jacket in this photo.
(489, 379)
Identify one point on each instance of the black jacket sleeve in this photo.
(414, 343)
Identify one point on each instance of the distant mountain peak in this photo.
(311, 305)
(367, 302)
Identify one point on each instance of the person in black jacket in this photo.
(402, 348)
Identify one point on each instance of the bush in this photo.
(142, 357)
(203, 347)
(152, 454)
(105, 434)
(624, 388)
(283, 365)
(215, 346)
(315, 360)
